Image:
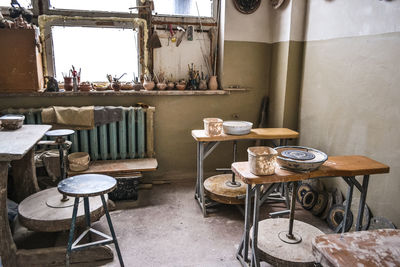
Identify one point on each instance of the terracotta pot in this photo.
(161, 86)
(181, 86)
(212, 83)
(203, 85)
(171, 85)
(68, 84)
(148, 85)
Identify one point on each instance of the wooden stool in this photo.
(89, 185)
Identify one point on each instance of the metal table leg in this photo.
(362, 203)
(254, 247)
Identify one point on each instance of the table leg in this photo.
(8, 248)
(348, 205)
(362, 203)
(24, 176)
(254, 247)
(201, 178)
(196, 194)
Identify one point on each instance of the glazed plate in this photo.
(299, 158)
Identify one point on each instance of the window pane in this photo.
(98, 51)
(23, 3)
(183, 7)
(96, 5)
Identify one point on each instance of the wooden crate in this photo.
(21, 63)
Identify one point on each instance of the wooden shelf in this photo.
(119, 93)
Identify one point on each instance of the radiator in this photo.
(133, 137)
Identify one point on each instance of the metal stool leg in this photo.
(72, 231)
(121, 262)
(87, 216)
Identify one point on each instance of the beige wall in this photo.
(350, 96)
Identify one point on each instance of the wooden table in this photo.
(17, 148)
(348, 167)
(364, 248)
(206, 144)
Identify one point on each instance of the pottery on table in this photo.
(170, 85)
(148, 85)
(212, 83)
(262, 160)
(161, 86)
(68, 83)
(85, 87)
(203, 85)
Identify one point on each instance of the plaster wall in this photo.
(349, 101)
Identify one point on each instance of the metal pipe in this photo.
(234, 160)
(362, 203)
(254, 247)
(292, 209)
(348, 205)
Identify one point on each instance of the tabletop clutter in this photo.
(195, 80)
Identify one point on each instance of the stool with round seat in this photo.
(89, 185)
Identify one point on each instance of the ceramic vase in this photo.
(212, 83)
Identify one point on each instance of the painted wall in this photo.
(350, 96)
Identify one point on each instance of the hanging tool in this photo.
(182, 33)
(154, 40)
(173, 38)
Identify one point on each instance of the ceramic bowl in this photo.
(299, 158)
(237, 127)
(12, 122)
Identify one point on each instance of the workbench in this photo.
(17, 149)
(347, 167)
(206, 145)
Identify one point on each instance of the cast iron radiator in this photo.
(131, 138)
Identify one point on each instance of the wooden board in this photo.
(21, 62)
(93, 256)
(260, 133)
(278, 253)
(364, 248)
(334, 166)
(114, 167)
(215, 187)
(36, 215)
(15, 144)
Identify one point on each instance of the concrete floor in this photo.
(165, 227)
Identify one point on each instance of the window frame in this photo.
(48, 50)
(87, 18)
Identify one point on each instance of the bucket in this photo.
(262, 160)
(78, 161)
(213, 126)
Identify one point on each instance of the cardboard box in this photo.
(20, 62)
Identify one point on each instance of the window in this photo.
(184, 7)
(115, 52)
(94, 5)
(107, 37)
(23, 3)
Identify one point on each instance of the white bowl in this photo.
(237, 127)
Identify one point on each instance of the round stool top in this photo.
(87, 185)
(61, 132)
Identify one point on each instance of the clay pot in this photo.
(116, 86)
(181, 86)
(203, 85)
(85, 87)
(171, 85)
(68, 84)
(212, 83)
(161, 86)
(148, 85)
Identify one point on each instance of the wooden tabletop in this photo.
(259, 133)
(364, 248)
(334, 166)
(15, 144)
